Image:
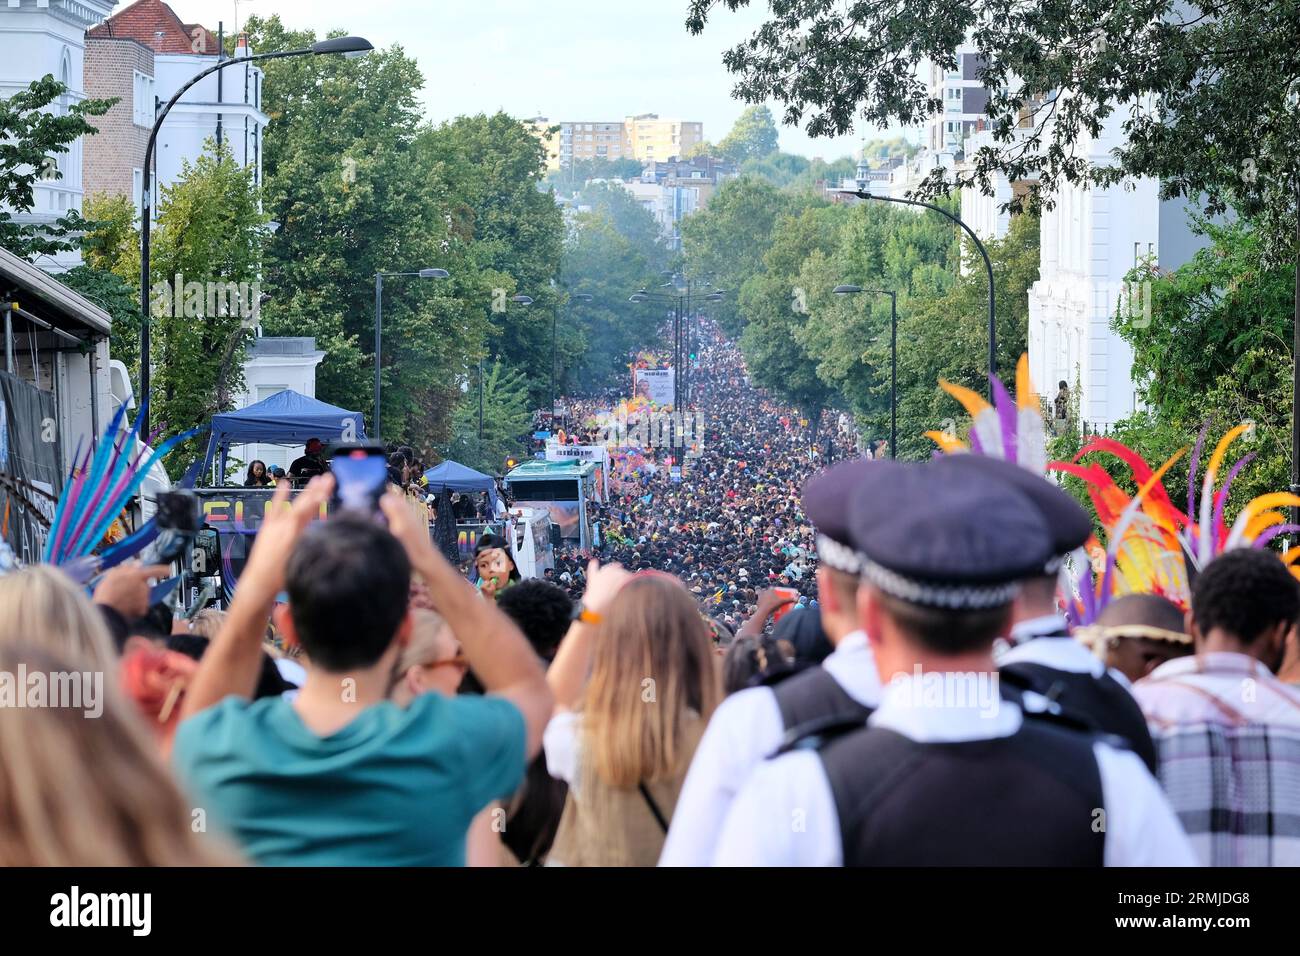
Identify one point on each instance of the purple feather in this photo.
(1222, 497)
(1087, 597)
(975, 445)
(1006, 417)
(1191, 470)
(70, 494)
(1268, 534)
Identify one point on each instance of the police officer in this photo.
(1044, 657)
(750, 725)
(946, 771)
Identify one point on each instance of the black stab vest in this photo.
(1031, 799)
(812, 696)
(1102, 703)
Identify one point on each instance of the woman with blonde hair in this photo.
(42, 606)
(635, 682)
(430, 661)
(85, 789)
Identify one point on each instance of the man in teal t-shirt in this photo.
(341, 775)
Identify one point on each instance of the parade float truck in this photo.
(561, 489)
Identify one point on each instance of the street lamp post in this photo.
(344, 45)
(524, 300)
(893, 357)
(574, 296)
(681, 303)
(988, 266)
(379, 325)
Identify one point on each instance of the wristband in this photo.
(581, 613)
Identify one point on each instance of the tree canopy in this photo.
(1206, 93)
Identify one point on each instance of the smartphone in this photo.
(360, 477)
(178, 511)
(178, 519)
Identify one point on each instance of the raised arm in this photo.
(497, 652)
(234, 661)
(568, 672)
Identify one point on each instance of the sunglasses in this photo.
(457, 661)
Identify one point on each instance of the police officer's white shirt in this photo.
(744, 730)
(1062, 653)
(785, 815)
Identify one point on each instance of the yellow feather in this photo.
(970, 400)
(948, 444)
(1221, 449)
(1262, 521)
(1025, 397)
(1275, 499)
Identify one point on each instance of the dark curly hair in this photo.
(1245, 593)
(542, 611)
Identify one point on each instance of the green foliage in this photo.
(727, 239)
(776, 305)
(492, 167)
(34, 132)
(570, 178)
(779, 169)
(210, 230)
(355, 195)
(121, 300)
(596, 337)
(947, 336)
(113, 242)
(505, 419)
(752, 136)
(632, 221)
(1216, 347)
(1203, 92)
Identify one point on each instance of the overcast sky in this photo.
(563, 59)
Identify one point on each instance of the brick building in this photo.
(120, 67)
(225, 107)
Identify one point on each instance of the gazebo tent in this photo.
(453, 476)
(286, 418)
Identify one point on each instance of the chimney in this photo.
(241, 46)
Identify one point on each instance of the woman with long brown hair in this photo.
(635, 682)
(80, 788)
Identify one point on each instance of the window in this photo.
(137, 189)
(142, 94)
(266, 391)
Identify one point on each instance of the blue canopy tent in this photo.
(454, 476)
(286, 418)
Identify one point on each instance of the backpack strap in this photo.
(654, 807)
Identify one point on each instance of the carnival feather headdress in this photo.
(1155, 548)
(1010, 429)
(98, 489)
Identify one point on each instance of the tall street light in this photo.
(349, 46)
(988, 266)
(681, 303)
(573, 297)
(893, 357)
(525, 301)
(379, 324)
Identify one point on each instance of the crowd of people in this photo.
(793, 655)
(731, 527)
